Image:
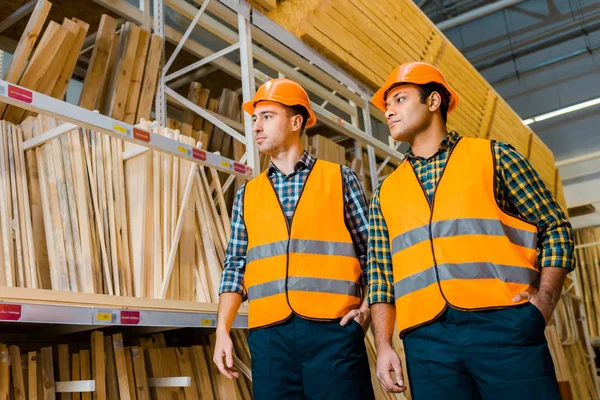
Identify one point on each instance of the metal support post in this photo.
(370, 150)
(159, 30)
(248, 87)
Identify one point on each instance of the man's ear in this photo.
(297, 122)
(435, 101)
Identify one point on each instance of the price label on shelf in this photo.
(10, 312)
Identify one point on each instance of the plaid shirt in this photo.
(288, 190)
(518, 189)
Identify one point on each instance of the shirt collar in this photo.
(449, 141)
(306, 161)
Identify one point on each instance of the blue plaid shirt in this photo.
(288, 188)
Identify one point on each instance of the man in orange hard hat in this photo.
(454, 236)
(297, 252)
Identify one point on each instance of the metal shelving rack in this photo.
(345, 110)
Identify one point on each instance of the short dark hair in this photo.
(299, 110)
(426, 91)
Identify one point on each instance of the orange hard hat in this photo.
(284, 91)
(418, 73)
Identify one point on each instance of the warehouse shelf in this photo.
(19, 305)
(77, 117)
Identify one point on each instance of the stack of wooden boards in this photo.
(76, 217)
(364, 38)
(122, 372)
(588, 274)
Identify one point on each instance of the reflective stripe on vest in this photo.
(476, 270)
(467, 226)
(460, 248)
(301, 246)
(314, 253)
(305, 285)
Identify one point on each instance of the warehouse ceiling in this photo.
(541, 56)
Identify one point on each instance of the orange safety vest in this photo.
(461, 250)
(309, 266)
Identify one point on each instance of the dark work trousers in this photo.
(312, 360)
(495, 354)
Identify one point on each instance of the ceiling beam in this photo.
(477, 13)
(17, 15)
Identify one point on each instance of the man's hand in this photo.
(542, 300)
(223, 356)
(389, 370)
(361, 315)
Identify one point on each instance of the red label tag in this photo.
(130, 317)
(237, 167)
(26, 96)
(10, 312)
(141, 135)
(199, 154)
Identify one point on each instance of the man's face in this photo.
(406, 114)
(273, 126)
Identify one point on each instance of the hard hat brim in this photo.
(250, 106)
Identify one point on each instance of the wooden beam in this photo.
(15, 17)
(25, 46)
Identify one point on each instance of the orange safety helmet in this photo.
(284, 91)
(418, 73)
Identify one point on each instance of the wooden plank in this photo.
(188, 117)
(158, 368)
(105, 161)
(51, 213)
(137, 77)
(96, 75)
(187, 245)
(121, 364)
(150, 81)
(4, 372)
(21, 267)
(26, 43)
(18, 382)
(186, 369)
(86, 373)
(64, 373)
(6, 215)
(64, 78)
(141, 376)
(201, 373)
(47, 371)
(32, 391)
(98, 365)
(123, 71)
(42, 71)
(112, 381)
(24, 210)
(130, 375)
(37, 217)
(213, 105)
(75, 374)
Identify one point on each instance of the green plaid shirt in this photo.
(519, 190)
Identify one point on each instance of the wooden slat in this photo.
(121, 364)
(6, 212)
(25, 46)
(32, 363)
(186, 369)
(99, 365)
(60, 89)
(112, 381)
(42, 68)
(86, 373)
(130, 374)
(150, 81)
(137, 77)
(201, 372)
(75, 374)
(18, 382)
(139, 370)
(124, 70)
(97, 72)
(64, 370)
(47, 373)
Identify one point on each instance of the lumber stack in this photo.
(373, 46)
(588, 275)
(122, 369)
